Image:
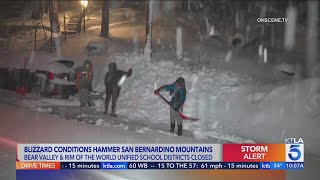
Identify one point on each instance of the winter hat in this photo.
(113, 66)
(87, 62)
(180, 81)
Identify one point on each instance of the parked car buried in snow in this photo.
(43, 74)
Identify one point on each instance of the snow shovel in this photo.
(184, 117)
(21, 89)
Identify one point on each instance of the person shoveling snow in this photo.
(178, 95)
(113, 82)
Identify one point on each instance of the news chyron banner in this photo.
(61, 157)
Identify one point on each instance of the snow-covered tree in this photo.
(290, 28)
(53, 15)
(148, 41)
(312, 36)
(105, 19)
(37, 9)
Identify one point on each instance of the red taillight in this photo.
(50, 76)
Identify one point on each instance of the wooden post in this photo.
(35, 38)
(88, 9)
(44, 31)
(84, 19)
(51, 38)
(65, 28)
(147, 21)
(79, 25)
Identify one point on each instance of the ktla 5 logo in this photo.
(294, 152)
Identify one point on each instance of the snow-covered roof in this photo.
(35, 61)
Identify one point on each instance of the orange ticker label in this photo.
(38, 165)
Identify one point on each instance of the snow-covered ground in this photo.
(274, 112)
(24, 126)
(236, 98)
(20, 125)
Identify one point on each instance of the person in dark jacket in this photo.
(113, 81)
(84, 84)
(178, 96)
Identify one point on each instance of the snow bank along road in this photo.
(25, 126)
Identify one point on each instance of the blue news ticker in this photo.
(182, 165)
(159, 165)
(194, 165)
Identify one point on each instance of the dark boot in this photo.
(179, 133)
(113, 114)
(106, 104)
(91, 103)
(105, 109)
(173, 125)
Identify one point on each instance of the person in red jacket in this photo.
(84, 84)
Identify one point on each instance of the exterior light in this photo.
(84, 3)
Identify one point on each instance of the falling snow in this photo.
(263, 89)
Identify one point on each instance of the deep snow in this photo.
(26, 126)
(227, 103)
(274, 112)
(137, 101)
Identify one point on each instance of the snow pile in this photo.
(92, 28)
(273, 113)
(138, 102)
(294, 111)
(62, 102)
(44, 109)
(99, 122)
(124, 127)
(96, 48)
(284, 67)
